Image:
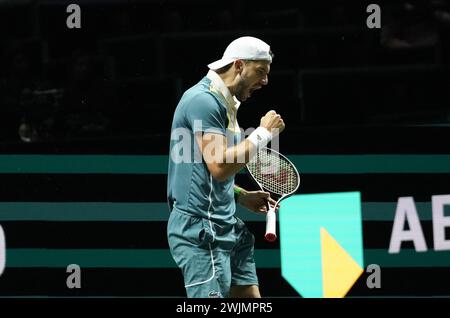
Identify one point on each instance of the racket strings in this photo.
(274, 172)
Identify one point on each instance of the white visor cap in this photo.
(243, 48)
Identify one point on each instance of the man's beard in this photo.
(241, 90)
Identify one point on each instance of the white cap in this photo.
(244, 48)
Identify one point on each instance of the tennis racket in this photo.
(276, 174)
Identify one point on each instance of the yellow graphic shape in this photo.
(339, 270)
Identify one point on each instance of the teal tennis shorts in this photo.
(212, 257)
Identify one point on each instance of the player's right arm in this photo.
(223, 162)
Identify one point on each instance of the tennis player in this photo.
(212, 247)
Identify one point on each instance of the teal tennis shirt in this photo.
(191, 189)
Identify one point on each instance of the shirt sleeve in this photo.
(205, 114)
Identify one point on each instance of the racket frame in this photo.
(270, 232)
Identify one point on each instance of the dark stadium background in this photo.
(110, 89)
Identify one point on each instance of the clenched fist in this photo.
(272, 122)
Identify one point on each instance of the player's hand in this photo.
(256, 201)
(273, 122)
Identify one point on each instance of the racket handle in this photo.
(271, 222)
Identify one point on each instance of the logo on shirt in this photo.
(214, 294)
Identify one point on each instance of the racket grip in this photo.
(271, 222)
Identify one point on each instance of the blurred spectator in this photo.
(442, 16)
(416, 32)
(413, 24)
(37, 117)
(123, 21)
(442, 12)
(83, 111)
(173, 21)
(225, 20)
(17, 81)
(26, 104)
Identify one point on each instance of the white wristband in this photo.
(260, 137)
